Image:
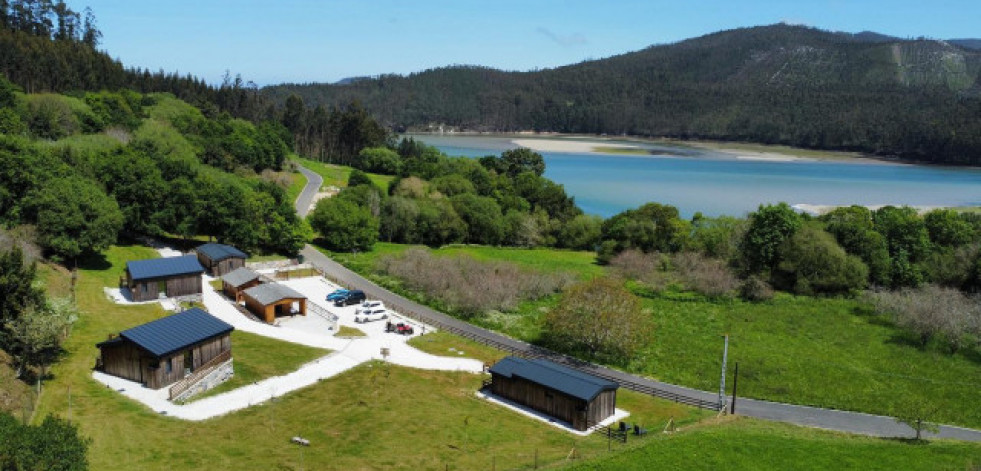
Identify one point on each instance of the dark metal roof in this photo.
(552, 375)
(172, 333)
(219, 252)
(239, 276)
(163, 267)
(269, 293)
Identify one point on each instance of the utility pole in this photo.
(722, 381)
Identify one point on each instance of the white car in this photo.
(369, 306)
(368, 315)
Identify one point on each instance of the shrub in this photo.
(931, 312)
(755, 289)
(468, 286)
(708, 276)
(600, 319)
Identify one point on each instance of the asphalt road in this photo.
(844, 421)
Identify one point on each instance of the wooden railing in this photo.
(183, 385)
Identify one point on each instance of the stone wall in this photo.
(217, 376)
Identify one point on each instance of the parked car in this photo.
(354, 296)
(369, 305)
(337, 294)
(369, 315)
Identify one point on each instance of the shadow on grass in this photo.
(908, 441)
(94, 262)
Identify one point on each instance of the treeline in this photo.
(123, 162)
(776, 85)
(437, 200)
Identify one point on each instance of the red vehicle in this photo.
(401, 328)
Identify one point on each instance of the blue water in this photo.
(715, 184)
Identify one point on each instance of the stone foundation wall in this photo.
(214, 378)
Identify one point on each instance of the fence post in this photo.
(735, 381)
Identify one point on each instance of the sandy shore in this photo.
(554, 145)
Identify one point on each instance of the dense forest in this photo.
(915, 99)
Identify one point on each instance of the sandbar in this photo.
(580, 147)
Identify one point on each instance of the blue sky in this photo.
(323, 41)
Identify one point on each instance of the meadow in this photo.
(827, 352)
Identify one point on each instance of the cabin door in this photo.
(188, 362)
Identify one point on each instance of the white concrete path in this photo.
(310, 330)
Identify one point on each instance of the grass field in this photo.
(349, 419)
(296, 187)
(337, 175)
(257, 358)
(815, 351)
(746, 444)
(581, 263)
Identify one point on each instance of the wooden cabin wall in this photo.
(542, 399)
(124, 360)
(184, 285)
(128, 361)
(227, 265)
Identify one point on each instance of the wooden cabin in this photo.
(220, 259)
(164, 351)
(581, 399)
(239, 280)
(269, 300)
(164, 277)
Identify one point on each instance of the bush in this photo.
(932, 312)
(647, 268)
(470, 287)
(707, 276)
(600, 319)
(755, 289)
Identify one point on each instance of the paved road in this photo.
(314, 182)
(844, 421)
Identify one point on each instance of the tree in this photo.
(358, 177)
(916, 412)
(380, 160)
(947, 228)
(769, 227)
(74, 217)
(344, 226)
(580, 233)
(54, 445)
(19, 292)
(485, 223)
(651, 227)
(36, 335)
(517, 161)
(811, 262)
(853, 229)
(599, 318)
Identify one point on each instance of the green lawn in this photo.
(745, 444)
(337, 175)
(346, 331)
(257, 358)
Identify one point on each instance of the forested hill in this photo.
(918, 99)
